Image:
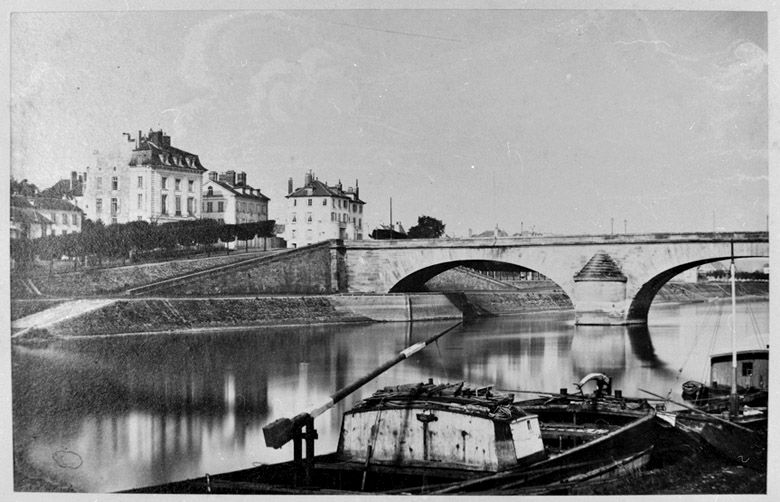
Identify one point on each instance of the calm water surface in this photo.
(116, 413)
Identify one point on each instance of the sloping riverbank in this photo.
(149, 315)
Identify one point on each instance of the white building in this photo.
(146, 179)
(229, 199)
(317, 212)
(35, 217)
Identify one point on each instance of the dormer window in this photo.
(210, 192)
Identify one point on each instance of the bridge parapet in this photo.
(560, 240)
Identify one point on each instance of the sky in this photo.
(560, 121)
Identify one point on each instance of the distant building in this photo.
(229, 199)
(317, 212)
(146, 179)
(35, 217)
(70, 189)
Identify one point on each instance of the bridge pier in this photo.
(599, 295)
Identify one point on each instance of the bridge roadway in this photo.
(611, 279)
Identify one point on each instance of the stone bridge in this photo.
(611, 279)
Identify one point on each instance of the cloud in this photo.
(315, 87)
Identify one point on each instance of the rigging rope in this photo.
(756, 331)
(441, 361)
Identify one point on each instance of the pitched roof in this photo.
(51, 203)
(601, 267)
(63, 188)
(151, 154)
(320, 189)
(28, 215)
(239, 193)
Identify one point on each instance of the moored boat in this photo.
(430, 437)
(751, 385)
(733, 418)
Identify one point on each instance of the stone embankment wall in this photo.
(302, 271)
(99, 281)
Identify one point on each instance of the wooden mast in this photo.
(733, 398)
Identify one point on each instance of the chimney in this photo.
(228, 177)
(307, 179)
(166, 140)
(138, 143)
(241, 178)
(74, 178)
(357, 189)
(213, 175)
(289, 186)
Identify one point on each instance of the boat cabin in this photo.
(752, 369)
(445, 426)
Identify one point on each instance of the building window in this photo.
(98, 205)
(220, 206)
(140, 200)
(360, 209)
(310, 202)
(294, 219)
(74, 218)
(308, 217)
(164, 204)
(190, 185)
(293, 234)
(178, 184)
(190, 206)
(99, 182)
(332, 216)
(140, 182)
(178, 205)
(210, 192)
(114, 183)
(114, 206)
(324, 202)
(164, 183)
(295, 202)
(209, 207)
(747, 368)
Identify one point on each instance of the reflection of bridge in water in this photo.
(610, 279)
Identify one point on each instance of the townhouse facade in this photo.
(317, 212)
(146, 179)
(229, 199)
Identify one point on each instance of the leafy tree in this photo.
(48, 248)
(23, 188)
(427, 228)
(93, 238)
(22, 252)
(137, 237)
(227, 234)
(245, 232)
(207, 233)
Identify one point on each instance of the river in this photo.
(108, 414)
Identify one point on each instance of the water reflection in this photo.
(143, 410)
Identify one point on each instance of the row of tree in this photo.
(724, 275)
(129, 240)
(427, 227)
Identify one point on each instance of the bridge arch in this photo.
(639, 306)
(645, 263)
(416, 280)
